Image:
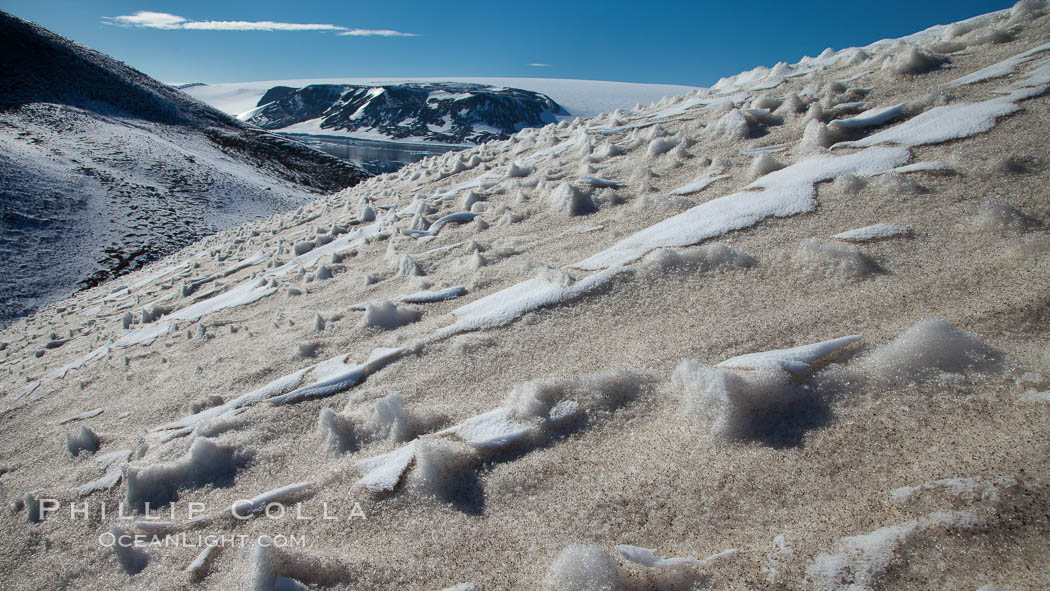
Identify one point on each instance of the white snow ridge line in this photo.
(419, 297)
(786, 192)
(341, 381)
(699, 184)
(941, 124)
(798, 361)
(504, 306)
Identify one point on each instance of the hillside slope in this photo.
(103, 169)
(790, 332)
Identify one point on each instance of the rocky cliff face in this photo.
(437, 112)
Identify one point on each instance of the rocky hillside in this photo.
(103, 169)
(785, 333)
(446, 112)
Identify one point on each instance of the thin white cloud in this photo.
(376, 33)
(255, 26)
(539, 65)
(146, 19)
(162, 20)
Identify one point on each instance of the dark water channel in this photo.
(375, 156)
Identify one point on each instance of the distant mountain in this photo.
(444, 112)
(581, 98)
(103, 169)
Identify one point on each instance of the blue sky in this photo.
(684, 42)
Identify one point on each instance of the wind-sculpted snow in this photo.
(419, 297)
(244, 294)
(941, 124)
(1001, 69)
(378, 350)
(509, 304)
(273, 388)
(786, 192)
(862, 559)
(873, 232)
(259, 502)
(112, 464)
(157, 484)
(648, 557)
(340, 376)
(533, 412)
(347, 241)
(330, 377)
(464, 216)
(870, 118)
(798, 361)
(699, 183)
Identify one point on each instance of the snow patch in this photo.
(583, 567)
(783, 193)
(873, 232)
(940, 124)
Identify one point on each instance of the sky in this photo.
(687, 42)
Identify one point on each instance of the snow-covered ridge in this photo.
(714, 342)
(580, 98)
(106, 169)
(453, 113)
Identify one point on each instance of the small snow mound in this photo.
(791, 106)
(439, 466)
(998, 217)
(406, 267)
(584, 567)
(917, 61)
(605, 151)
(337, 432)
(815, 137)
(206, 462)
(759, 405)
(993, 37)
(389, 420)
(731, 126)
(518, 170)
(131, 558)
(766, 101)
(84, 440)
(388, 315)
(694, 260)
(764, 164)
(1025, 10)
(470, 198)
(660, 146)
(849, 184)
(549, 399)
(929, 346)
(568, 200)
(897, 185)
(833, 259)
